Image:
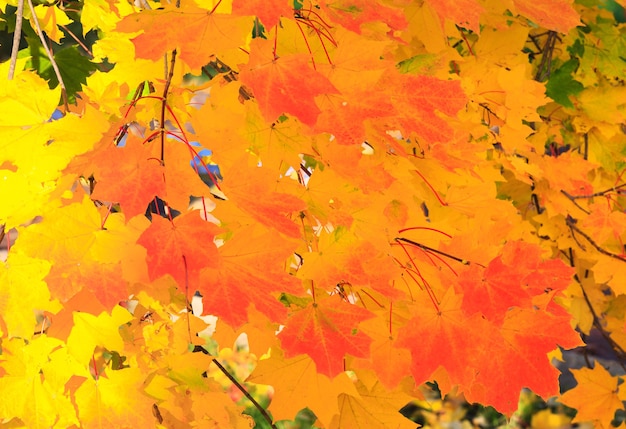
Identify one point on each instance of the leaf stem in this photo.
(442, 202)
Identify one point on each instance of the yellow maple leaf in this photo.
(101, 403)
(23, 290)
(90, 331)
(51, 18)
(596, 397)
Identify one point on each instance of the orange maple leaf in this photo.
(284, 84)
(251, 190)
(326, 330)
(420, 100)
(248, 271)
(268, 11)
(465, 13)
(596, 396)
(195, 32)
(128, 175)
(351, 14)
(511, 280)
(557, 15)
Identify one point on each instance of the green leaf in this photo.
(561, 84)
(74, 68)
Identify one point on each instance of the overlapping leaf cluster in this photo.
(377, 193)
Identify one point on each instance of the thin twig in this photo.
(571, 223)
(55, 67)
(600, 194)
(572, 198)
(168, 82)
(239, 386)
(80, 43)
(17, 36)
(430, 249)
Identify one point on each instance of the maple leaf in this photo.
(298, 384)
(374, 407)
(326, 330)
(105, 281)
(596, 397)
(557, 15)
(352, 14)
(268, 12)
(247, 271)
(390, 361)
(66, 233)
(284, 85)
(23, 290)
(346, 119)
(511, 280)
(195, 32)
(37, 372)
(172, 246)
(523, 342)
(99, 401)
(132, 183)
(90, 331)
(419, 99)
(444, 327)
(344, 130)
(465, 14)
(251, 190)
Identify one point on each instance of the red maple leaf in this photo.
(179, 247)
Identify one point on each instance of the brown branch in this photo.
(543, 71)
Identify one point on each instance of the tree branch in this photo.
(17, 36)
